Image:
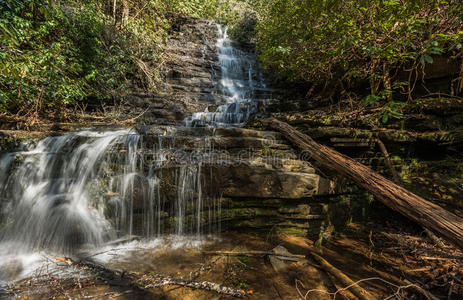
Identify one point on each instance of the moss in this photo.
(246, 213)
(140, 284)
(302, 209)
(296, 231)
(399, 136)
(8, 143)
(439, 180)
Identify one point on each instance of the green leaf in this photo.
(428, 59)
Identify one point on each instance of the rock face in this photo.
(193, 75)
(256, 182)
(243, 179)
(190, 73)
(165, 179)
(425, 146)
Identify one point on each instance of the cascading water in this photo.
(85, 189)
(46, 201)
(80, 191)
(237, 86)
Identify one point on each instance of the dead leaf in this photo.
(60, 258)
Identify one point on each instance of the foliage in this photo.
(53, 55)
(392, 109)
(56, 53)
(227, 11)
(244, 30)
(340, 42)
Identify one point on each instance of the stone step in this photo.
(207, 131)
(191, 82)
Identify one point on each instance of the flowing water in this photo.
(239, 83)
(83, 190)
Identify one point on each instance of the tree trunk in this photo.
(125, 13)
(114, 11)
(429, 215)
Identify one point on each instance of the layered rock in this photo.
(425, 145)
(248, 180)
(190, 73)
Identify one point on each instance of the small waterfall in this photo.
(237, 86)
(88, 188)
(48, 200)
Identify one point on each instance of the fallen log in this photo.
(417, 209)
(343, 278)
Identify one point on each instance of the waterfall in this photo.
(87, 188)
(84, 189)
(237, 86)
(49, 203)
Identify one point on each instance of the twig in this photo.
(345, 293)
(425, 293)
(134, 118)
(112, 294)
(441, 94)
(428, 295)
(434, 238)
(135, 16)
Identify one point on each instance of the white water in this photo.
(237, 86)
(48, 204)
(80, 191)
(77, 192)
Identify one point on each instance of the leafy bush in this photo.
(244, 30)
(38, 62)
(56, 53)
(53, 55)
(225, 11)
(339, 41)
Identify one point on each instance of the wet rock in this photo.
(138, 192)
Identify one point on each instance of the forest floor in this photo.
(387, 259)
